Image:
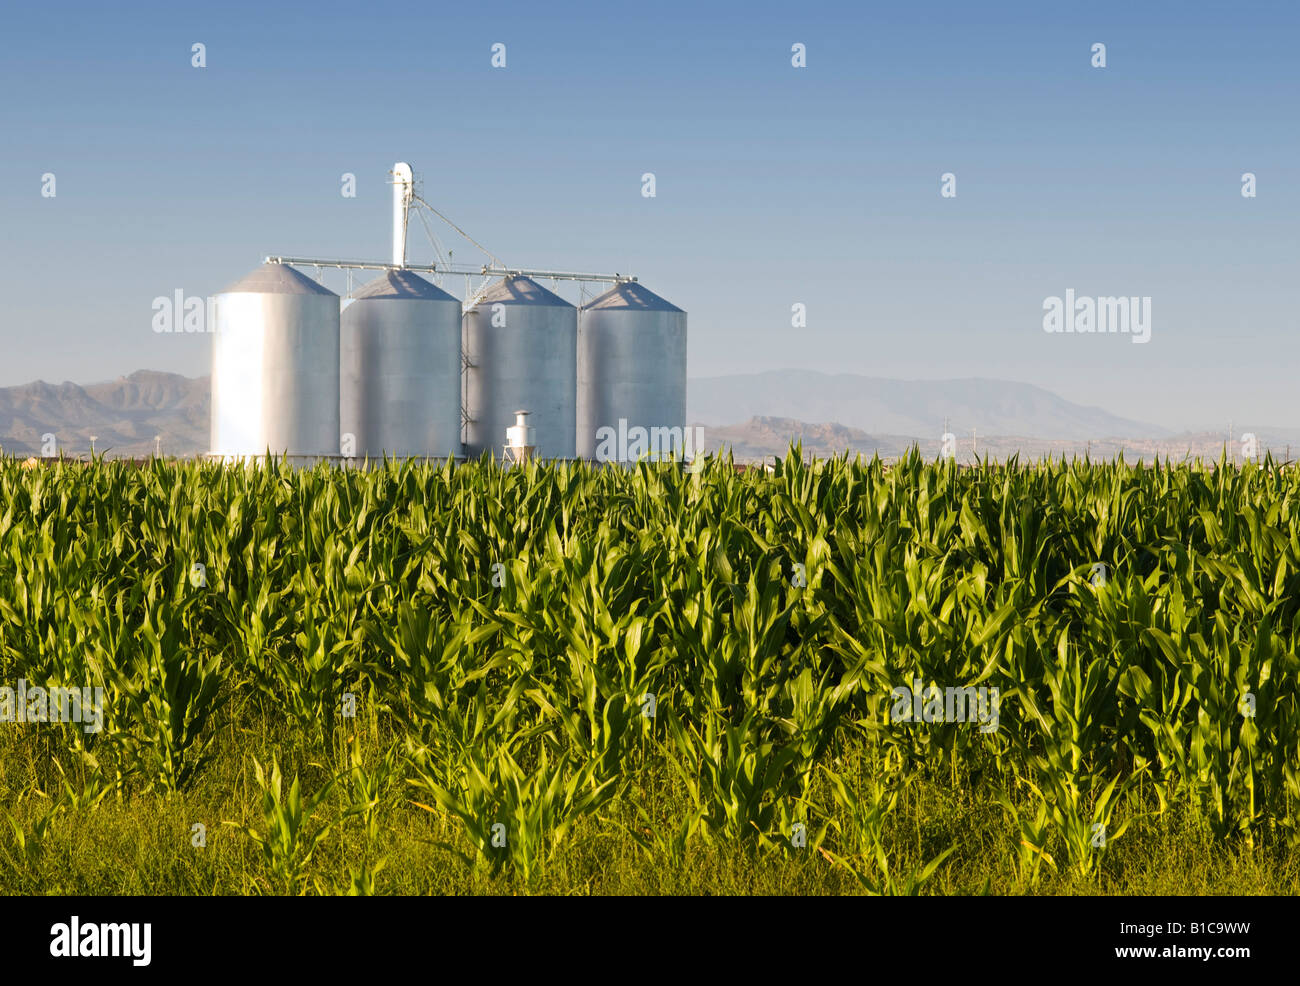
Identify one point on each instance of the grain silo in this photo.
(631, 376)
(401, 369)
(275, 367)
(521, 344)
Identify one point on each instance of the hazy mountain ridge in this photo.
(904, 407)
(125, 414)
(762, 438)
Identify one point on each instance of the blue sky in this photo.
(775, 185)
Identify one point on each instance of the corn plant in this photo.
(867, 860)
(511, 815)
(165, 692)
(288, 838)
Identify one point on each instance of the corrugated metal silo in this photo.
(275, 367)
(631, 369)
(401, 369)
(521, 342)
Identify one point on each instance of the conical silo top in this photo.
(403, 284)
(632, 296)
(520, 290)
(276, 279)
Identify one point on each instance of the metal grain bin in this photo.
(631, 375)
(275, 367)
(401, 369)
(521, 343)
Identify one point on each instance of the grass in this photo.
(143, 844)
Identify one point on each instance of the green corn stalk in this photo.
(288, 838)
(512, 816)
(866, 858)
(165, 692)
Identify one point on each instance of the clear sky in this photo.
(775, 185)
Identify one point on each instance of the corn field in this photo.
(503, 661)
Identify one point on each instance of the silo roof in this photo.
(631, 295)
(403, 284)
(276, 279)
(520, 290)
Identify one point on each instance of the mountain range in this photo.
(905, 407)
(124, 415)
(755, 415)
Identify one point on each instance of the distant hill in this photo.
(904, 407)
(124, 414)
(835, 414)
(150, 390)
(761, 438)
